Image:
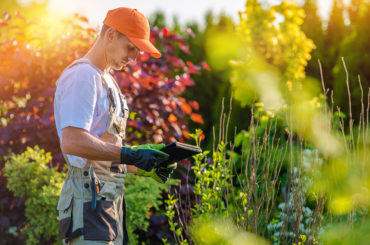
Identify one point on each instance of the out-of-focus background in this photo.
(275, 92)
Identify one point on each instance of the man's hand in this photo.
(144, 157)
(159, 173)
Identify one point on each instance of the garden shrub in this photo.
(29, 175)
(142, 194)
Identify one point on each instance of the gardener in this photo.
(90, 117)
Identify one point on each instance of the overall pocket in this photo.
(65, 215)
(100, 224)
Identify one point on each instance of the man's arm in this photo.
(79, 142)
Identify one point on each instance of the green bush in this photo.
(29, 176)
(141, 194)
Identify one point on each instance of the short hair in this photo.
(104, 30)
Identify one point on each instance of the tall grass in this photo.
(271, 181)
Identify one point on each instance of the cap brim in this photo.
(146, 46)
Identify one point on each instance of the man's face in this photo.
(120, 51)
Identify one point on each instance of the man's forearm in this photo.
(79, 142)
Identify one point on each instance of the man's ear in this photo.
(109, 34)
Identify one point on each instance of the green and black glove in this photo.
(145, 157)
(159, 174)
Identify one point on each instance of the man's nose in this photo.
(131, 60)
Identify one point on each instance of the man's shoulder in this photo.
(83, 69)
(79, 72)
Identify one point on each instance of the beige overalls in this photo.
(79, 224)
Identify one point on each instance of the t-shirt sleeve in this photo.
(78, 98)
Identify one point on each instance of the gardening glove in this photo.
(144, 157)
(159, 174)
(165, 172)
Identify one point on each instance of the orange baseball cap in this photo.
(134, 26)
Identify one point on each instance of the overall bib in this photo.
(78, 223)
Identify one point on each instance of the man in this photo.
(90, 117)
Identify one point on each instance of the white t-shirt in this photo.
(81, 101)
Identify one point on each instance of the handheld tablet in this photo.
(179, 151)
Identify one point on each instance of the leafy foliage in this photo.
(29, 175)
(177, 230)
(211, 181)
(141, 195)
(39, 59)
(281, 43)
(270, 51)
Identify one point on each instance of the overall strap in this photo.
(121, 96)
